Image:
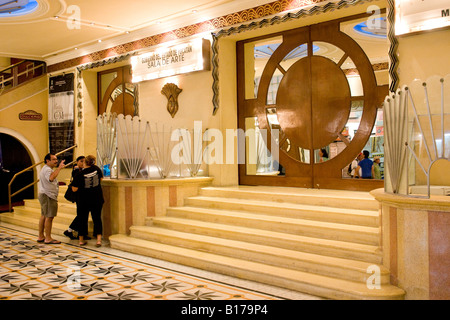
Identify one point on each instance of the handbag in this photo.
(70, 195)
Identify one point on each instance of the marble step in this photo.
(58, 227)
(332, 248)
(368, 218)
(63, 206)
(301, 227)
(35, 213)
(313, 263)
(314, 284)
(330, 198)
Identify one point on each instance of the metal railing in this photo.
(11, 75)
(35, 182)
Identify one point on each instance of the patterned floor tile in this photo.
(34, 271)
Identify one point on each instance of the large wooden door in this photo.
(312, 107)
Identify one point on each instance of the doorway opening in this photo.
(14, 158)
(318, 92)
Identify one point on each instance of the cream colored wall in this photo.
(32, 134)
(195, 101)
(420, 57)
(86, 133)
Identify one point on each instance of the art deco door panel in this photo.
(312, 107)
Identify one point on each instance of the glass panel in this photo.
(327, 50)
(273, 88)
(258, 158)
(257, 54)
(375, 145)
(106, 80)
(371, 35)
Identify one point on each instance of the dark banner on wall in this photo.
(61, 115)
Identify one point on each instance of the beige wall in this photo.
(32, 134)
(422, 56)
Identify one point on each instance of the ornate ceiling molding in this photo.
(330, 6)
(207, 26)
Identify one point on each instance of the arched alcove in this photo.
(17, 154)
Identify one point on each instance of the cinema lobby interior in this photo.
(250, 150)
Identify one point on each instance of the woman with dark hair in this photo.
(323, 154)
(90, 199)
(78, 167)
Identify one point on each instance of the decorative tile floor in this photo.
(34, 271)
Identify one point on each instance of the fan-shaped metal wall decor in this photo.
(417, 121)
(132, 148)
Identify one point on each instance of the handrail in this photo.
(14, 75)
(35, 182)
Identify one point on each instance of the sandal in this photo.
(53, 242)
(83, 243)
(40, 240)
(98, 244)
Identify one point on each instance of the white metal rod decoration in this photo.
(401, 132)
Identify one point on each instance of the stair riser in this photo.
(235, 271)
(58, 227)
(360, 204)
(62, 218)
(269, 258)
(63, 207)
(304, 230)
(336, 252)
(317, 215)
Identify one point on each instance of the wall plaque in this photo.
(30, 115)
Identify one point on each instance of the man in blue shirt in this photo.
(366, 166)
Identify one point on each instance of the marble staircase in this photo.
(29, 214)
(321, 242)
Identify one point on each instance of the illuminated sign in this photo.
(168, 61)
(420, 15)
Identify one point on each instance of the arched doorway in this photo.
(14, 157)
(306, 92)
(116, 92)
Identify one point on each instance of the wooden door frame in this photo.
(120, 79)
(252, 108)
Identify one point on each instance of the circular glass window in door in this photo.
(316, 95)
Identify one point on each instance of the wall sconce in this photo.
(171, 91)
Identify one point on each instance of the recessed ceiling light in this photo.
(56, 17)
(99, 40)
(194, 11)
(76, 48)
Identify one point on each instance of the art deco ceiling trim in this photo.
(301, 14)
(225, 21)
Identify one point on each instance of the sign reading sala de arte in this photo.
(420, 15)
(61, 114)
(168, 61)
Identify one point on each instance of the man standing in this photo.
(366, 166)
(48, 197)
